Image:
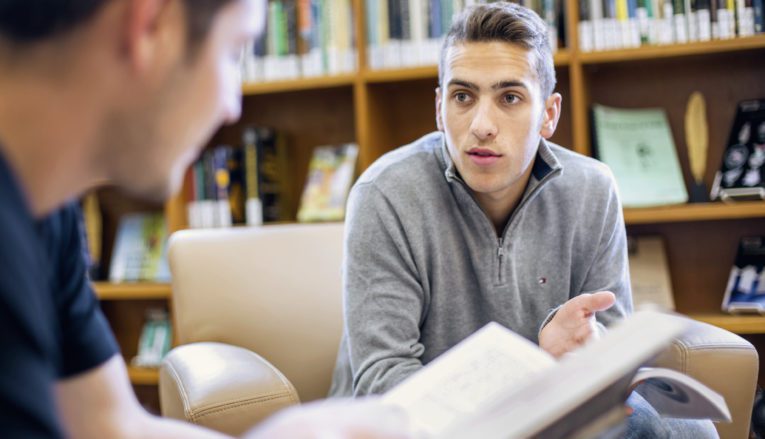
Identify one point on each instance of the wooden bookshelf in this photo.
(673, 50)
(143, 376)
(739, 324)
(132, 291)
(384, 109)
(694, 212)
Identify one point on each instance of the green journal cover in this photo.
(637, 145)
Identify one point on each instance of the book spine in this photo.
(253, 206)
(692, 20)
(759, 16)
(704, 20)
(270, 175)
(680, 23)
(634, 25)
(236, 190)
(586, 42)
(406, 32)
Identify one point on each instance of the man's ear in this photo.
(147, 31)
(551, 115)
(439, 121)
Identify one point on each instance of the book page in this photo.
(485, 365)
(677, 395)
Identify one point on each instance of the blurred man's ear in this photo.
(152, 27)
(439, 121)
(551, 115)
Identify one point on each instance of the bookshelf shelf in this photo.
(132, 291)
(142, 376)
(738, 324)
(674, 50)
(261, 88)
(695, 212)
(405, 74)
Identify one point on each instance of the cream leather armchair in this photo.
(258, 315)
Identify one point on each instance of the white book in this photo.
(681, 29)
(668, 34)
(704, 22)
(693, 26)
(586, 43)
(596, 17)
(496, 384)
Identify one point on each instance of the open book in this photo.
(496, 383)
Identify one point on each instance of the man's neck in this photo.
(499, 207)
(46, 127)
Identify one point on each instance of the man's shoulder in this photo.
(582, 171)
(412, 164)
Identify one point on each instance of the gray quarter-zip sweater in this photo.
(424, 267)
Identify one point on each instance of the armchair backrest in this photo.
(275, 290)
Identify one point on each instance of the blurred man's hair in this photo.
(30, 21)
(509, 23)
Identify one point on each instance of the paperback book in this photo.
(745, 291)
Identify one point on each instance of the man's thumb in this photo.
(599, 301)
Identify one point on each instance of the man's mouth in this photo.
(483, 152)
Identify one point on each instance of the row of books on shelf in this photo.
(303, 38)
(651, 281)
(250, 183)
(638, 146)
(405, 33)
(244, 184)
(617, 24)
(309, 38)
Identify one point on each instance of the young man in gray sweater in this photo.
(483, 221)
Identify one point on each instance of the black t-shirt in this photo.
(51, 326)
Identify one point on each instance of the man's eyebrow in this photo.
(508, 84)
(461, 83)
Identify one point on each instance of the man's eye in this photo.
(510, 98)
(461, 97)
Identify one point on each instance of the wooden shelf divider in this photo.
(695, 212)
(132, 291)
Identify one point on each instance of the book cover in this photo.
(745, 291)
(649, 272)
(637, 145)
(496, 384)
(742, 175)
(140, 249)
(330, 175)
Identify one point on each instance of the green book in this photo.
(637, 145)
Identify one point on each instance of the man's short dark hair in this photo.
(30, 21)
(509, 23)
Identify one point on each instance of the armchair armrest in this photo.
(725, 362)
(222, 387)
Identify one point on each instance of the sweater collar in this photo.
(545, 164)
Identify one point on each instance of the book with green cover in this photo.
(637, 145)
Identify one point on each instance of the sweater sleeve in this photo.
(610, 267)
(384, 301)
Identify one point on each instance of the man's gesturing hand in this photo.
(574, 323)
